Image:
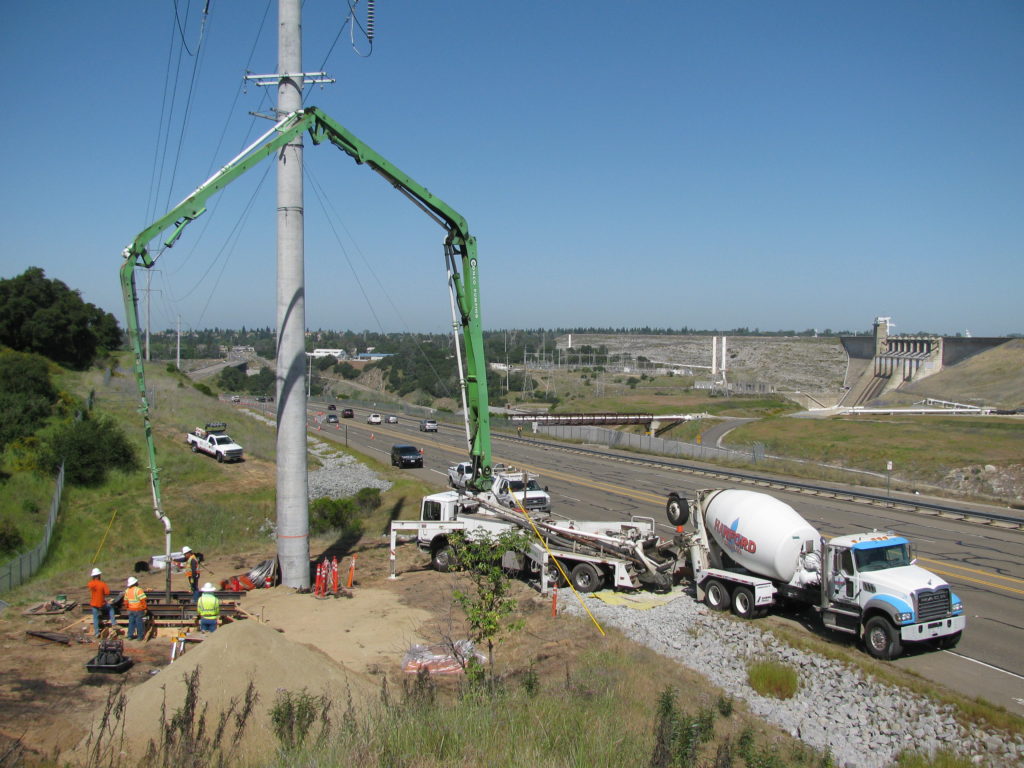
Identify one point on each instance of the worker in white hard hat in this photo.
(208, 608)
(135, 601)
(99, 593)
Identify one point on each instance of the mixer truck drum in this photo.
(677, 509)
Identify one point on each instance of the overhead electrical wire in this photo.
(232, 240)
(188, 101)
(177, 22)
(352, 22)
(211, 215)
(321, 196)
(246, 140)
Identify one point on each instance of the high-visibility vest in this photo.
(208, 606)
(192, 567)
(135, 598)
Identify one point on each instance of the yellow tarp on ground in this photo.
(638, 600)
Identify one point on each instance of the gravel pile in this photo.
(864, 723)
(341, 475)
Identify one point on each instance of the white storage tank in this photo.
(759, 532)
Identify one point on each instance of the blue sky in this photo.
(783, 165)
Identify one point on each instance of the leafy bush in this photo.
(347, 370)
(200, 387)
(367, 500)
(89, 449)
(340, 515)
(11, 540)
(26, 395)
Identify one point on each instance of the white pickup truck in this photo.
(512, 488)
(214, 440)
(515, 488)
(460, 474)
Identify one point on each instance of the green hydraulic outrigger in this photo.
(459, 246)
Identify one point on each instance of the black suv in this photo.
(406, 456)
(346, 413)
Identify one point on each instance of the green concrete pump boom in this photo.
(459, 245)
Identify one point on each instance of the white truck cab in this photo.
(514, 488)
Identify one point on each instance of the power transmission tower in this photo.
(292, 488)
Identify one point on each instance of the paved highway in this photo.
(984, 563)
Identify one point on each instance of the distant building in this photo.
(340, 354)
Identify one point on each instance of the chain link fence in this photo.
(24, 566)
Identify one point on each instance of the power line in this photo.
(177, 22)
(188, 101)
(321, 196)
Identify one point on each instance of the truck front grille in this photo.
(933, 604)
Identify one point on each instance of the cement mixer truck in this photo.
(750, 551)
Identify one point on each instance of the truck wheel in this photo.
(220, 458)
(194, 448)
(677, 510)
(949, 642)
(716, 595)
(586, 578)
(743, 603)
(882, 639)
(441, 561)
(555, 576)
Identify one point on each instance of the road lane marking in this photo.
(990, 666)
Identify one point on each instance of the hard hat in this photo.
(132, 581)
(186, 550)
(208, 587)
(96, 572)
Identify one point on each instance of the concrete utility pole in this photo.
(292, 505)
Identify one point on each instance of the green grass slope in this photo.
(992, 378)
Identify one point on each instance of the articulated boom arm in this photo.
(459, 244)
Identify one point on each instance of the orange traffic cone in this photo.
(351, 572)
(334, 575)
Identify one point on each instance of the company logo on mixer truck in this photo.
(732, 538)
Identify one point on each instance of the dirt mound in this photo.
(227, 661)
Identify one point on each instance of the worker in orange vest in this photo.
(135, 602)
(98, 594)
(191, 571)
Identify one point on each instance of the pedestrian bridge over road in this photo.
(655, 424)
